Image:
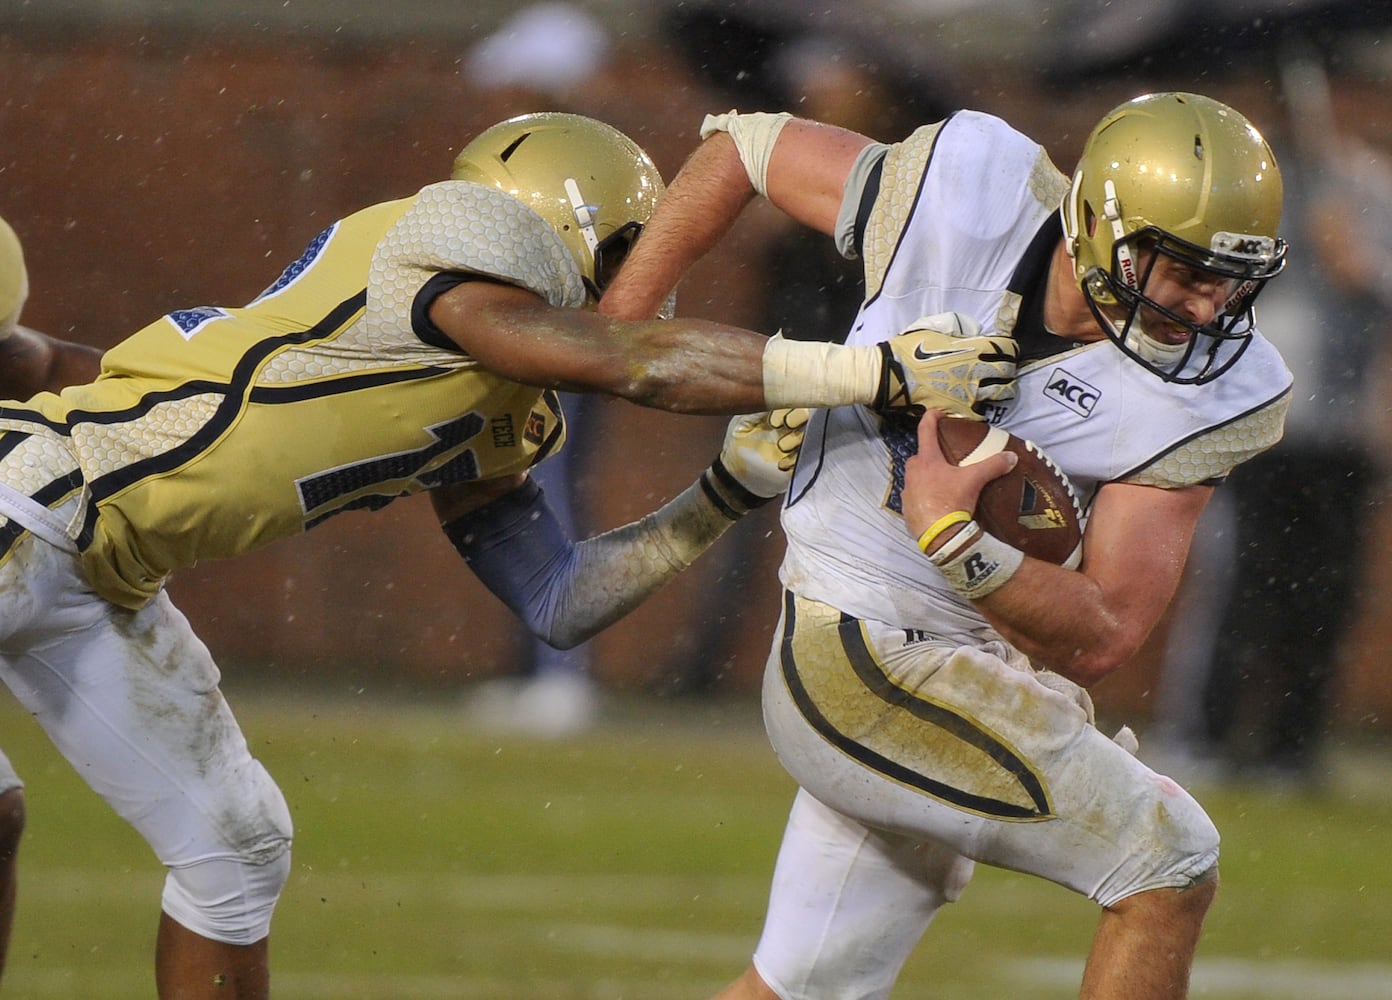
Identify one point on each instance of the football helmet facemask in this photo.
(1182, 177)
(591, 183)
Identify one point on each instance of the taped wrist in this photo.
(731, 497)
(754, 136)
(975, 563)
(812, 374)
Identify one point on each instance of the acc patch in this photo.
(1072, 392)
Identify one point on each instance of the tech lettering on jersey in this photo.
(1072, 392)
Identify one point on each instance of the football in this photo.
(1033, 506)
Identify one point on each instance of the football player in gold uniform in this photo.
(414, 346)
(29, 362)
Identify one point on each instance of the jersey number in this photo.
(375, 482)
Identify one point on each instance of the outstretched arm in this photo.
(800, 166)
(694, 366)
(567, 591)
(685, 366)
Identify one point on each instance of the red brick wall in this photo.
(148, 173)
(144, 175)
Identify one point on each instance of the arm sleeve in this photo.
(567, 591)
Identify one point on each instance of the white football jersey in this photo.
(960, 206)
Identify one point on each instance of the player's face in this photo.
(1184, 292)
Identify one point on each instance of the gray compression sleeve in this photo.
(567, 591)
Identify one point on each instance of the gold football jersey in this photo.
(214, 431)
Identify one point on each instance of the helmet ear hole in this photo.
(1089, 220)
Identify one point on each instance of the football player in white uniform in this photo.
(927, 686)
(414, 346)
(30, 362)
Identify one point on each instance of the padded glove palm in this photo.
(756, 461)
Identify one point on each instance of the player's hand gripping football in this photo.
(756, 461)
(944, 362)
(934, 486)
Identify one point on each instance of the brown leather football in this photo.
(1033, 506)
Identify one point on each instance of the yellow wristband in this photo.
(940, 525)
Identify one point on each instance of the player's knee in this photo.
(1180, 851)
(11, 822)
(229, 893)
(1198, 896)
(228, 899)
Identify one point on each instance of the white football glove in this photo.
(756, 461)
(945, 363)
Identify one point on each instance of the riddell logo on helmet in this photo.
(1072, 392)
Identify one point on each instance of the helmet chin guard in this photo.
(1184, 178)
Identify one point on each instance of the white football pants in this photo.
(131, 699)
(917, 757)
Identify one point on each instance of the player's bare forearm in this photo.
(808, 170)
(699, 207)
(1063, 622)
(684, 366)
(1085, 624)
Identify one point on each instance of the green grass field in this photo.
(633, 863)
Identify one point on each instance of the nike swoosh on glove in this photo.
(945, 362)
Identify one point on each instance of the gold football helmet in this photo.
(1180, 176)
(14, 279)
(593, 185)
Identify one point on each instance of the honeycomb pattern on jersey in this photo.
(40, 459)
(451, 226)
(35, 462)
(318, 361)
(106, 448)
(899, 183)
(1218, 452)
(1046, 183)
(1008, 312)
(460, 226)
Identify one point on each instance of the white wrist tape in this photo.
(754, 136)
(975, 563)
(813, 374)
